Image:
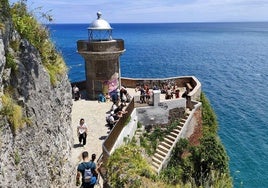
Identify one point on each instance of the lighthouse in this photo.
(102, 58)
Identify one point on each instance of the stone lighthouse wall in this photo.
(102, 65)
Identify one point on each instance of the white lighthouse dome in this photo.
(99, 24)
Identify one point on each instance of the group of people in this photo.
(87, 171)
(145, 93)
(170, 91)
(116, 112)
(119, 99)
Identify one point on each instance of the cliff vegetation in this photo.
(35, 104)
(37, 34)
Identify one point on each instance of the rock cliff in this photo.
(37, 154)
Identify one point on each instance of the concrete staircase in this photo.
(165, 147)
(138, 134)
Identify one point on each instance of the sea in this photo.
(229, 59)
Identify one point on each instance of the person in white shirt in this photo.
(76, 93)
(82, 132)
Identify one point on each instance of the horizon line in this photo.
(163, 22)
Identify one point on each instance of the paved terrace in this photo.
(94, 114)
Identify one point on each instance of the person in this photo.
(108, 98)
(147, 94)
(155, 87)
(110, 120)
(142, 94)
(187, 97)
(81, 170)
(120, 108)
(95, 172)
(101, 98)
(118, 115)
(169, 94)
(177, 93)
(82, 132)
(123, 95)
(114, 96)
(184, 95)
(76, 93)
(114, 106)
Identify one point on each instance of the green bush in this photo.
(210, 124)
(15, 45)
(126, 167)
(2, 27)
(38, 35)
(13, 112)
(4, 10)
(205, 165)
(11, 63)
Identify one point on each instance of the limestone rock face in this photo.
(38, 154)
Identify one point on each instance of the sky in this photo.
(153, 11)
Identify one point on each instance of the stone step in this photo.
(171, 137)
(183, 120)
(168, 140)
(174, 134)
(162, 148)
(158, 156)
(166, 145)
(139, 131)
(181, 123)
(155, 166)
(160, 152)
(156, 160)
(188, 111)
(177, 130)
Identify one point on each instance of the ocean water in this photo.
(230, 60)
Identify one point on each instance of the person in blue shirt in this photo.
(86, 164)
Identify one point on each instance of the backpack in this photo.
(88, 174)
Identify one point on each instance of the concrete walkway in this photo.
(94, 114)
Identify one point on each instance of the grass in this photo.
(17, 157)
(29, 28)
(2, 27)
(15, 45)
(13, 112)
(127, 167)
(150, 140)
(11, 63)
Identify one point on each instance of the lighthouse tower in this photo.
(101, 53)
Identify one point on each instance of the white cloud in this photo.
(84, 11)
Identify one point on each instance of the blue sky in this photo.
(147, 11)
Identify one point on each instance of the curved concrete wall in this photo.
(179, 81)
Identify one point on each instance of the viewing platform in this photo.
(95, 112)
